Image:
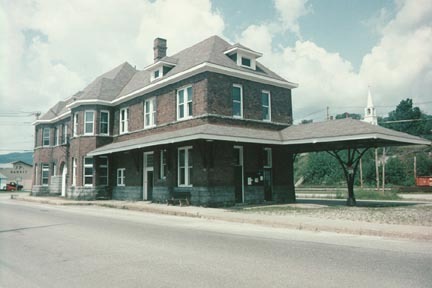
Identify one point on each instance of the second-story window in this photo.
(184, 103)
(266, 105)
(46, 136)
(124, 120)
(88, 122)
(104, 123)
(56, 136)
(64, 134)
(150, 112)
(237, 101)
(75, 125)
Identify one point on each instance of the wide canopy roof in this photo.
(322, 136)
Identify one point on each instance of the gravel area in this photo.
(419, 215)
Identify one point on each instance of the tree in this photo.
(348, 115)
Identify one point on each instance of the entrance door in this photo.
(238, 174)
(148, 176)
(63, 183)
(267, 184)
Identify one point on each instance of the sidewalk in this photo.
(295, 221)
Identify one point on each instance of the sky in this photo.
(334, 49)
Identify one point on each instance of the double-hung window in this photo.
(75, 125)
(45, 174)
(121, 177)
(266, 105)
(103, 170)
(88, 171)
(56, 132)
(163, 164)
(89, 122)
(237, 101)
(150, 112)
(185, 166)
(104, 123)
(184, 103)
(46, 136)
(64, 134)
(124, 120)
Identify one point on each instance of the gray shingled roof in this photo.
(124, 79)
(329, 135)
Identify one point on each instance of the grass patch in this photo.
(376, 195)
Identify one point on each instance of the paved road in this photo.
(46, 246)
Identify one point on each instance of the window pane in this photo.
(89, 116)
(181, 158)
(181, 111)
(236, 109)
(88, 161)
(89, 127)
(147, 106)
(265, 112)
(181, 96)
(189, 92)
(189, 109)
(189, 182)
(149, 160)
(88, 180)
(246, 61)
(236, 93)
(182, 176)
(265, 99)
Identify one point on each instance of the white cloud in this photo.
(55, 48)
(290, 11)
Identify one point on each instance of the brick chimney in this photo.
(159, 48)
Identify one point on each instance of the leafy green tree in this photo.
(424, 165)
(396, 172)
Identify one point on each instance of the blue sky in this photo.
(334, 49)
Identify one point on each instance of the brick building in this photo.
(204, 121)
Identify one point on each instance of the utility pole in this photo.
(361, 174)
(383, 169)
(415, 167)
(328, 116)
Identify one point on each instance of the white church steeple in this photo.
(370, 112)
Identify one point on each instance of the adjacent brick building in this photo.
(206, 121)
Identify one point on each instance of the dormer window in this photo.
(246, 62)
(244, 57)
(157, 73)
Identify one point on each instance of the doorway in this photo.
(238, 174)
(148, 176)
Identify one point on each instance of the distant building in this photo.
(18, 171)
(370, 112)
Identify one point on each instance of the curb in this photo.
(237, 218)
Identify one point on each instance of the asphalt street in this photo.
(59, 246)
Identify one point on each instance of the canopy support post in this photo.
(350, 169)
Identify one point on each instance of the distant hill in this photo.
(12, 157)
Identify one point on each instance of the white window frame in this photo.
(85, 176)
(107, 123)
(121, 177)
(74, 171)
(187, 167)
(241, 100)
(162, 165)
(104, 166)
(88, 121)
(268, 107)
(153, 76)
(64, 134)
(45, 169)
(151, 103)
(268, 154)
(46, 137)
(241, 55)
(56, 134)
(75, 124)
(185, 104)
(124, 121)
